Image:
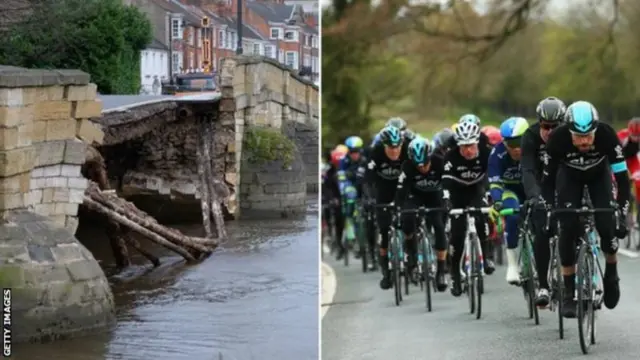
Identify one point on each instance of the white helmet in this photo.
(467, 133)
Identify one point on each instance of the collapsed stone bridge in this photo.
(263, 155)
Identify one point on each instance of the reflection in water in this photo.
(255, 298)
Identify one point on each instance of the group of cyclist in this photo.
(546, 165)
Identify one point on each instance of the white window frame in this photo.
(221, 39)
(176, 62)
(314, 42)
(275, 34)
(306, 60)
(227, 44)
(295, 36)
(270, 51)
(294, 60)
(176, 28)
(281, 56)
(256, 49)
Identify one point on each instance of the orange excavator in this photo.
(196, 82)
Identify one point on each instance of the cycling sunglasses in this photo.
(583, 135)
(548, 126)
(513, 143)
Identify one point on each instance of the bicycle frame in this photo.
(472, 236)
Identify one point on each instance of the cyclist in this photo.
(419, 185)
(492, 133)
(350, 186)
(584, 152)
(483, 140)
(333, 185)
(631, 135)
(506, 187)
(465, 167)
(382, 172)
(441, 140)
(550, 113)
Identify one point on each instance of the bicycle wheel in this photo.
(397, 279)
(534, 283)
(477, 280)
(469, 281)
(530, 283)
(560, 291)
(426, 270)
(584, 285)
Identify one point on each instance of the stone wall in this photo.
(269, 94)
(59, 288)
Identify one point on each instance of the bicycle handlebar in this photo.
(579, 211)
(470, 210)
(424, 210)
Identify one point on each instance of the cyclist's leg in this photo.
(569, 195)
(458, 233)
(338, 219)
(434, 200)
(510, 201)
(409, 229)
(542, 254)
(600, 193)
(383, 217)
(482, 226)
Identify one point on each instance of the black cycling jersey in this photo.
(383, 173)
(606, 155)
(412, 181)
(534, 151)
(483, 142)
(462, 173)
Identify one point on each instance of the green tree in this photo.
(102, 37)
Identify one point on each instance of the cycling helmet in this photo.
(354, 143)
(376, 140)
(420, 151)
(397, 123)
(443, 138)
(336, 157)
(467, 133)
(623, 135)
(512, 130)
(453, 127)
(582, 117)
(551, 110)
(391, 136)
(634, 126)
(493, 133)
(408, 135)
(469, 118)
(342, 148)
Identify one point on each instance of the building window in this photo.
(291, 59)
(291, 35)
(270, 51)
(256, 49)
(175, 62)
(276, 33)
(221, 39)
(314, 42)
(246, 47)
(281, 56)
(314, 64)
(191, 35)
(200, 37)
(234, 41)
(227, 44)
(176, 29)
(306, 60)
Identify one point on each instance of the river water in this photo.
(255, 298)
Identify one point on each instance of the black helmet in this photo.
(551, 109)
(397, 122)
(408, 135)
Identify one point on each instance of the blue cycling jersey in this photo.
(504, 173)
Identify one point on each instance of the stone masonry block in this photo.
(74, 152)
(81, 93)
(64, 208)
(19, 183)
(61, 129)
(231, 178)
(86, 109)
(17, 161)
(46, 171)
(52, 110)
(88, 131)
(36, 196)
(68, 170)
(25, 134)
(16, 96)
(16, 115)
(16, 136)
(56, 182)
(71, 224)
(37, 183)
(49, 152)
(78, 183)
(39, 131)
(47, 195)
(12, 201)
(61, 195)
(76, 196)
(44, 209)
(49, 93)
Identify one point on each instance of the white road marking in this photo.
(329, 286)
(628, 253)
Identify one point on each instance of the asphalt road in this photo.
(363, 322)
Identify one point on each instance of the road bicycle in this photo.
(526, 261)
(395, 252)
(589, 274)
(427, 262)
(472, 268)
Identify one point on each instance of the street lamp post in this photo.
(239, 30)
